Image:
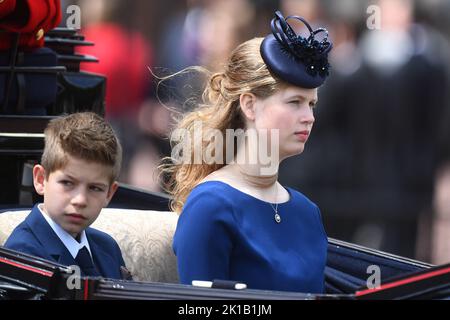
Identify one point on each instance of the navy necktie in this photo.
(84, 261)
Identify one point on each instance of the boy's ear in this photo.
(39, 179)
(111, 191)
(247, 103)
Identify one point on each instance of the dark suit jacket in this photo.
(35, 236)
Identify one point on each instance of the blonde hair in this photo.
(84, 135)
(245, 72)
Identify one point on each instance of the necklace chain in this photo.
(277, 217)
(275, 208)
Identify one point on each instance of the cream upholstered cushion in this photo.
(145, 238)
(8, 221)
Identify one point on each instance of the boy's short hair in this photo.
(83, 135)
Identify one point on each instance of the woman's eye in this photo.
(295, 102)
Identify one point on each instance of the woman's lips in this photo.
(302, 135)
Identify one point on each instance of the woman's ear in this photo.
(39, 179)
(247, 102)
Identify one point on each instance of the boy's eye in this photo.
(296, 102)
(96, 189)
(66, 183)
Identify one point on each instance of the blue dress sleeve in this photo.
(204, 235)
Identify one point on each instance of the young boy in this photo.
(77, 177)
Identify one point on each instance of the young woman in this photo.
(237, 222)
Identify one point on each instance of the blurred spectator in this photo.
(440, 244)
(178, 46)
(307, 9)
(206, 33)
(223, 25)
(143, 172)
(124, 57)
(431, 15)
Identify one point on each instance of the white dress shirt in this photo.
(71, 244)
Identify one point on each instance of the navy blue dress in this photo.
(226, 234)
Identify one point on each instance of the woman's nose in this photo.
(307, 116)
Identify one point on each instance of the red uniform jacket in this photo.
(31, 18)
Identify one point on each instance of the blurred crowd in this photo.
(378, 161)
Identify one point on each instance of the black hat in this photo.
(292, 58)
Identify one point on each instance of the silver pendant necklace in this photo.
(277, 217)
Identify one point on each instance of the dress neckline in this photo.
(249, 195)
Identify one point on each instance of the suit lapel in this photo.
(103, 260)
(47, 237)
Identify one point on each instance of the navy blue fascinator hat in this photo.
(292, 58)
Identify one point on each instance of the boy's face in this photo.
(75, 194)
